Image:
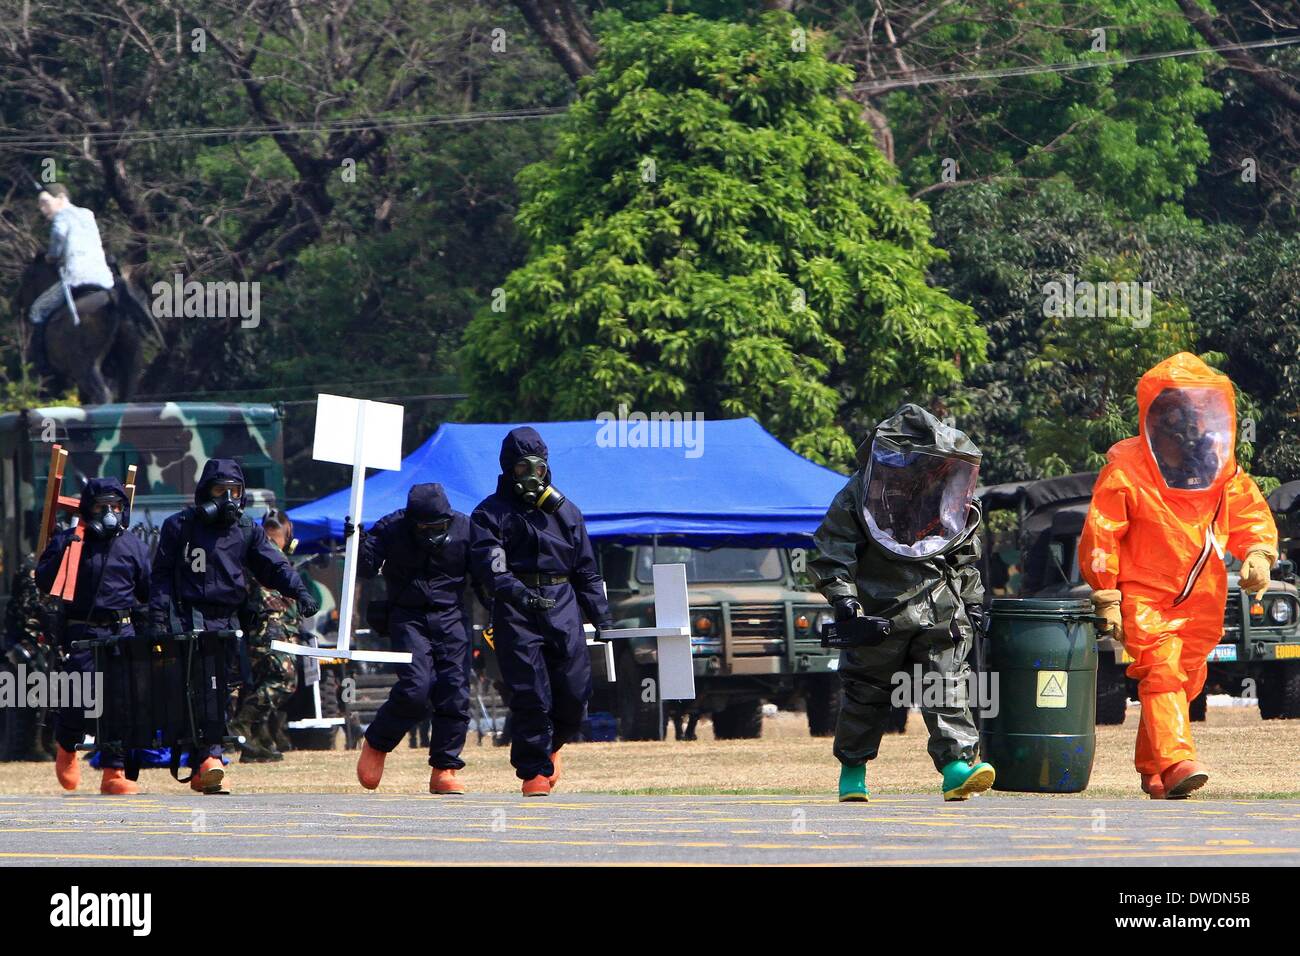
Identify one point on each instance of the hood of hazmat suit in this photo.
(913, 561)
(918, 483)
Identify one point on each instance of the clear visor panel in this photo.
(1190, 434)
(917, 503)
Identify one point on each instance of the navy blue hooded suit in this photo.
(113, 578)
(427, 618)
(543, 653)
(181, 597)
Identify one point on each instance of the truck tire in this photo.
(322, 738)
(637, 719)
(1196, 706)
(1279, 690)
(822, 697)
(742, 720)
(21, 737)
(1112, 692)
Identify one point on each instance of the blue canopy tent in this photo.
(742, 486)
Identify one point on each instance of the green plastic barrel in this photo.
(1043, 655)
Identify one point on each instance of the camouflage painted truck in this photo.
(1036, 554)
(169, 442)
(755, 637)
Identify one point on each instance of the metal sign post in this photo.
(363, 434)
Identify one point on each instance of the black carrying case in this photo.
(163, 692)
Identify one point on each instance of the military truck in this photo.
(1038, 556)
(169, 442)
(755, 626)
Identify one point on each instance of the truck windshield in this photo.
(719, 565)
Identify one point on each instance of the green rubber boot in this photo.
(853, 784)
(961, 780)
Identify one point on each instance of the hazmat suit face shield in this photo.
(916, 503)
(1190, 434)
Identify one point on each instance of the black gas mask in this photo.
(107, 517)
(532, 483)
(432, 535)
(225, 503)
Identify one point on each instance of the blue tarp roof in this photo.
(742, 484)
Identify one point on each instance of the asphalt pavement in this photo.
(600, 829)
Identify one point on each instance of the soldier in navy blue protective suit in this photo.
(530, 551)
(112, 578)
(200, 573)
(422, 551)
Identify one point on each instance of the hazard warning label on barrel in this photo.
(1051, 688)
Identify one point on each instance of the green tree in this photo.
(1095, 362)
(717, 233)
(1128, 132)
(1058, 388)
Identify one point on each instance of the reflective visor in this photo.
(916, 504)
(1190, 435)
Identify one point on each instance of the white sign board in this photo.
(336, 433)
(672, 633)
(363, 434)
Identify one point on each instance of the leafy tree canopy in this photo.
(717, 233)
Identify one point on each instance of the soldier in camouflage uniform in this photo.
(24, 615)
(270, 617)
(25, 640)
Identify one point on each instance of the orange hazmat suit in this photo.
(1164, 508)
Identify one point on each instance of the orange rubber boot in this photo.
(114, 783)
(370, 766)
(444, 782)
(1182, 778)
(207, 779)
(539, 786)
(555, 764)
(1153, 785)
(67, 768)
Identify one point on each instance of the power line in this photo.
(37, 141)
(42, 141)
(320, 386)
(924, 80)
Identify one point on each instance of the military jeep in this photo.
(755, 624)
(1037, 555)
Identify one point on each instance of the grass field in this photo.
(1248, 757)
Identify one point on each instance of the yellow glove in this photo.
(1106, 604)
(1254, 571)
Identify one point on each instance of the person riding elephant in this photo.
(77, 251)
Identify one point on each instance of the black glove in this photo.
(535, 602)
(979, 617)
(159, 626)
(349, 528)
(601, 629)
(847, 607)
(308, 606)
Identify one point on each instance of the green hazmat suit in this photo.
(908, 552)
